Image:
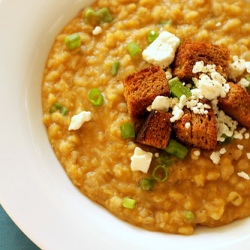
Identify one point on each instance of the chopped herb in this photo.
(127, 130)
(95, 17)
(176, 149)
(147, 184)
(104, 15)
(152, 35)
(128, 203)
(189, 215)
(227, 140)
(73, 41)
(95, 97)
(133, 49)
(163, 159)
(115, 68)
(167, 22)
(56, 106)
(178, 89)
(160, 173)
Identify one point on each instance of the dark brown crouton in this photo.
(191, 52)
(236, 104)
(156, 130)
(201, 133)
(141, 88)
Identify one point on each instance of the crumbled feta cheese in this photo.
(236, 68)
(248, 156)
(244, 175)
(238, 135)
(222, 151)
(97, 31)
(169, 73)
(247, 64)
(140, 161)
(246, 135)
(244, 82)
(187, 125)
(215, 157)
(162, 50)
(161, 103)
(177, 114)
(240, 147)
(78, 120)
(197, 152)
(182, 102)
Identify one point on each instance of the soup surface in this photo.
(197, 190)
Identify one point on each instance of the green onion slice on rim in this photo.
(56, 106)
(128, 203)
(160, 173)
(127, 130)
(95, 97)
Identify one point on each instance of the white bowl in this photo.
(34, 188)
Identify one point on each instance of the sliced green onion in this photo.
(189, 215)
(133, 49)
(162, 159)
(152, 35)
(147, 184)
(175, 148)
(165, 22)
(128, 203)
(73, 41)
(248, 78)
(178, 89)
(56, 106)
(115, 68)
(160, 173)
(227, 140)
(104, 15)
(95, 97)
(127, 130)
(90, 17)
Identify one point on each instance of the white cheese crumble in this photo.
(78, 120)
(140, 161)
(161, 103)
(243, 175)
(240, 147)
(248, 156)
(237, 68)
(161, 51)
(177, 114)
(187, 125)
(197, 152)
(215, 157)
(97, 31)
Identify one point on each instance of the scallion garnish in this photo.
(178, 89)
(95, 97)
(133, 49)
(95, 17)
(165, 22)
(127, 130)
(227, 140)
(73, 41)
(146, 184)
(104, 15)
(160, 173)
(56, 106)
(152, 35)
(189, 215)
(128, 203)
(175, 148)
(115, 68)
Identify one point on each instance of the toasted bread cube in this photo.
(141, 88)
(201, 132)
(236, 104)
(156, 130)
(191, 52)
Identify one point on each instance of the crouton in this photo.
(236, 104)
(156, 130)
(191, 52)
(201, 132)
(141, 88)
